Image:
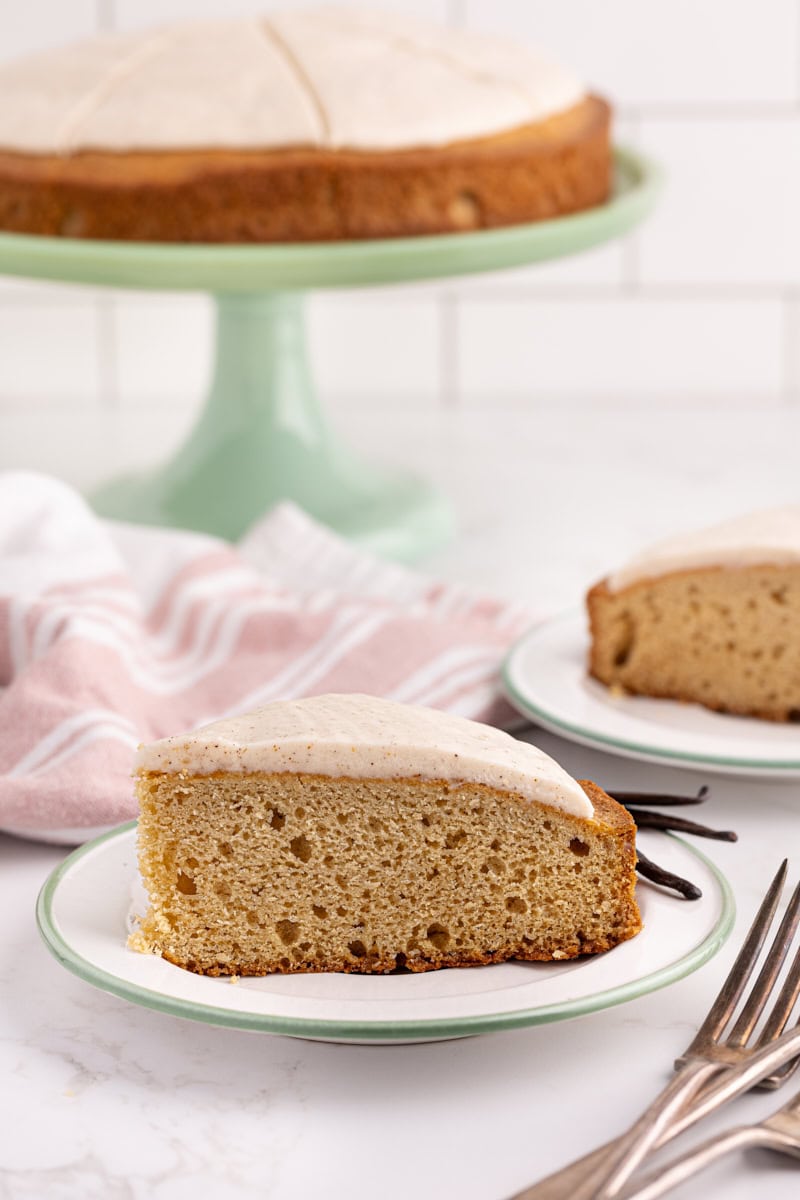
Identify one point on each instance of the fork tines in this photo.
(723, 1008)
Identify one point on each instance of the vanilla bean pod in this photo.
(626, 798)
(652, 820)
(668, 879)
(637, 804)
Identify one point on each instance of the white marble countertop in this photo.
(103, 1099)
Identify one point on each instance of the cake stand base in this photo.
(262, 437)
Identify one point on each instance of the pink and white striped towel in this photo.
(113, 634)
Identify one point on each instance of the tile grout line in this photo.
(633, 401)
(631, 246)
(720, 291)
(565, 293)
(720, 111)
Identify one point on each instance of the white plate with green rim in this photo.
(545, 678)
(83, 909)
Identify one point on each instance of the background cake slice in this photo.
(348, 833)
(711, 617)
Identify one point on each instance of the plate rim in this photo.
(602, 741)
(343, 1029)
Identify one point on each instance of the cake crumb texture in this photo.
(260, 873)
(725, 638)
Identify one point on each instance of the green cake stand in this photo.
(262, 436)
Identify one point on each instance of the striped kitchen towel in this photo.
(113, 634)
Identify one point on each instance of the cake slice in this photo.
(348, 833)
(711, 617)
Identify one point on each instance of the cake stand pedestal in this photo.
(262, 436)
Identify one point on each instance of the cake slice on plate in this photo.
(711, 617)
(349, 833)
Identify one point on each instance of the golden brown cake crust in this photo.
(289, 859)
(721, 637)
(553, 167)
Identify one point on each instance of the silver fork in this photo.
(713, 1069)
(779, 1131)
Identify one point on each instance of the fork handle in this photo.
(565, 1183)
(651, 1128)
(730, 1082)
(583, 1177)
(686, 1165)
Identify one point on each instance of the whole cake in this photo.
(711, 617)
(299, 126)
(348, 833)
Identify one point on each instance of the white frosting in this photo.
(364, 737)
(770, 537)
(325, 77)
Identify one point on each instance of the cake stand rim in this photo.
(212, 267)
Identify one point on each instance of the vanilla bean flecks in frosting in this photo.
(764, 538)
(364, 737)
(330, 78)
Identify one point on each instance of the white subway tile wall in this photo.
(700, 307)
(620, 348)
(730, 214)
(672, 54)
